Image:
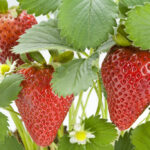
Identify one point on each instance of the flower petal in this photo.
(73, 140)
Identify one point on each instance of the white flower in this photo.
(6, 69)
(80, 136)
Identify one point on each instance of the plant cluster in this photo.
(75, 35)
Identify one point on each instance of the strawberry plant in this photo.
(46, 89)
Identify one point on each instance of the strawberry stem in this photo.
(106, 109)
(86, 102)
(61, 131)
(71, 117)
(3, 6)
(27, 141)
(77, 107)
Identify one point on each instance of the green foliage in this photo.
(105, 47)
(64, 57)
(3, 6)
(9, 89)
(39, 6)
(11, 144)
(131, 3)
(140, 137)
(65, 144)
(42, 36)
(138, 26)
(37, 56)
(3, 127)
(124, 142)
(74, 76)
(126, 5)
(104, 132)
(88, 23)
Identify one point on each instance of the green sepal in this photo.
(25, 58)
(3, 6)
(121, 40)
(37, 56)
(54, 52)
(64, 57)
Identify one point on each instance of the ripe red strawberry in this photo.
(41, 109)
(10, 30)
(126, 77)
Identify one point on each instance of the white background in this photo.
(93, 99)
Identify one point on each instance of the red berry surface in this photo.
(126, 77)
(10, 30)
(41, 109)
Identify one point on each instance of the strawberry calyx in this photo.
(121, 37)
(15, 11)
(63, 57)
(3, 6)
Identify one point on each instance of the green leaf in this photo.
(9, 89)
(104, 132)
(124, 142)
(3, 127)
(74, 76)
(131, 3)
(140, 137)
(138, 26)
(40, 37)
(105, 47)
(88, 24)
(64, 57)
(126, 5)
(65, 144)
(39, 7)
(3, 6)
(92, 146)
(37, 56)
(11, 144)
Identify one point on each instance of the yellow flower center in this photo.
(80, 135)
(4, 68)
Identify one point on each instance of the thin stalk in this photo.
(91, 51)
(100, 103)
(106, 109)
(48, 16)
(43, 148)
(53, 146)
(86, 102)
(77, 107)
(79, 55)
(122, 133)
(147, 118)
(82, 105)
(61, 131)
(28, 144)
(8, 109)
(85, 54)
(71, 111)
